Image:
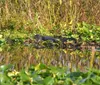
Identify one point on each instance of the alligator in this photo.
(61, 41)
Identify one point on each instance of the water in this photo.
(23, 56)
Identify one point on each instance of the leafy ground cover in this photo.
(47, 75)
(84, 33)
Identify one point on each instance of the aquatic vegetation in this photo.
(42, 74)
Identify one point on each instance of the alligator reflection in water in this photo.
(24, 56)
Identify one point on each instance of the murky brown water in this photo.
(23, 56)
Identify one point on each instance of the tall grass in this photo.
(48, 14)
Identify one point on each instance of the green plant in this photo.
(48, 75)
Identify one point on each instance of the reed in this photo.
(92, 57)
(62, 14)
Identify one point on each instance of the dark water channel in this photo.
(24, 56)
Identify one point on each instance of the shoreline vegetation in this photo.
(58, 23)
(78, 19)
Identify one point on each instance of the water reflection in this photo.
(23, 56)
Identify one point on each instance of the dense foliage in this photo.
(47, 75)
